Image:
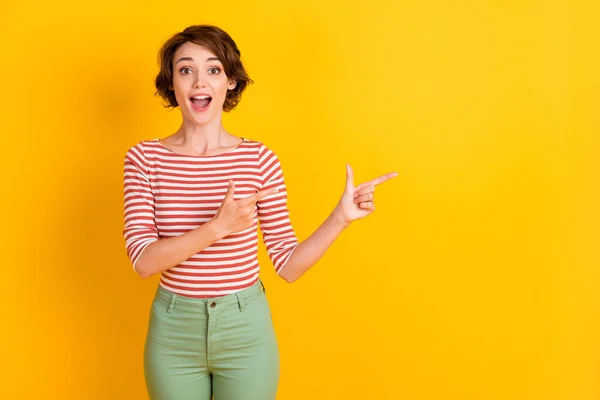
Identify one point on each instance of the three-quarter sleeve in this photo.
(278, 234)
(140, 225)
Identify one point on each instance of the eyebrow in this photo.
(191, 59)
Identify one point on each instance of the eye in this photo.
(217, 70)
(184, 68)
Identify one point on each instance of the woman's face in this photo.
(200, 83)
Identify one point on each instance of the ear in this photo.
(232, 85)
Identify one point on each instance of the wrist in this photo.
(215, 229)
(339, 219)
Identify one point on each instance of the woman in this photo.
(192, 203)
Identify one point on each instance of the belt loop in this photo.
(240, 301)
(263, 286)
(172, 303)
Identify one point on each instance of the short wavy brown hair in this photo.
(217, 41)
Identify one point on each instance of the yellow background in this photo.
(476, 278)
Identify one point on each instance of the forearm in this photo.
(308, 252)
(166, 253)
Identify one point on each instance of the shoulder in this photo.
(143, 147)
(260, 149)
(252, 144)
(264, 150)
(138, 153)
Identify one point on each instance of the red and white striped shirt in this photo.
(168, 194)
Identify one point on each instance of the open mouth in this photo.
(201, 103)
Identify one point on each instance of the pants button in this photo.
(213, 304)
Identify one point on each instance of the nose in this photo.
(199, 82)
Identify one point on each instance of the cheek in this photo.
(180, 97)
(220, 91)
(177, 89)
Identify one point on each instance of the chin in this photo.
(201, 119)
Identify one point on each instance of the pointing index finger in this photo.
(377, 181)
(260, 195)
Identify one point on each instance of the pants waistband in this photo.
(206, 305)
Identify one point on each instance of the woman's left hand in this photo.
(358, 202)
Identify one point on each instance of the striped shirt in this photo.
(168, 194)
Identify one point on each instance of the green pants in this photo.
(223, 347)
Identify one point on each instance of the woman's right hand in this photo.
(237, 215)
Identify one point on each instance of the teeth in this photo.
(201, 97)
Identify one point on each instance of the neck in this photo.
(202, 137)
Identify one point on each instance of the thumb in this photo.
(349, 177)
(230, 191)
